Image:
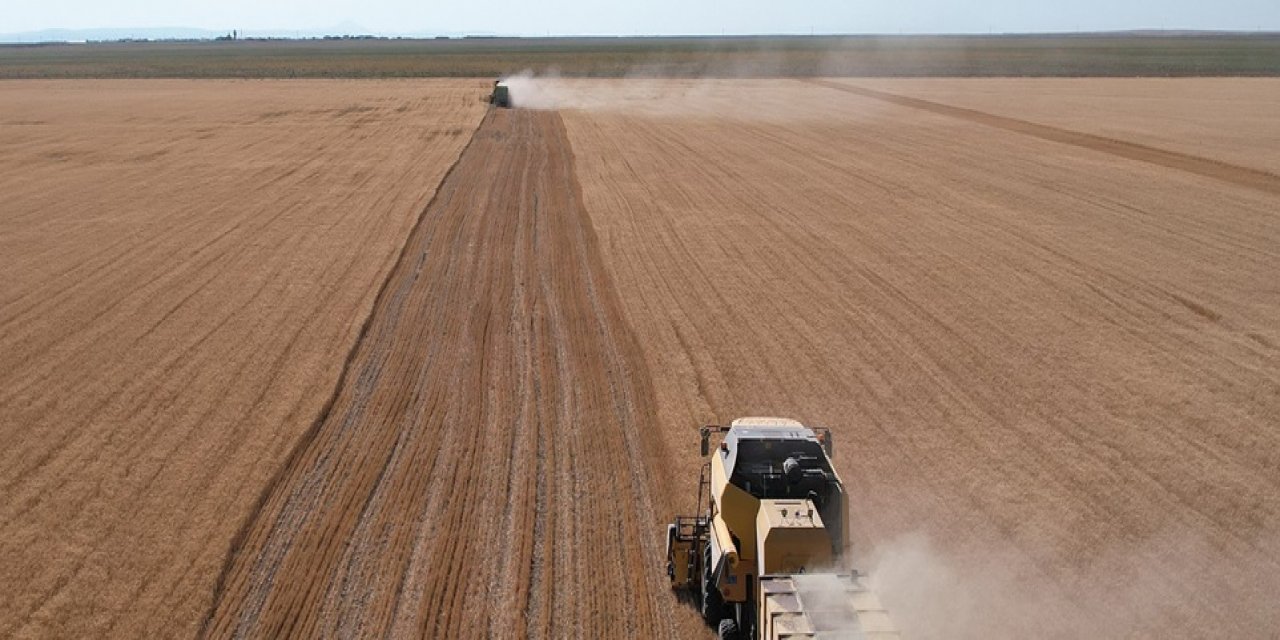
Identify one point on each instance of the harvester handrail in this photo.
(706, 432)
(704, 487)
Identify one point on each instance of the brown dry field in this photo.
(1050, 352)
(185, 267)
(1053, 370)
(1228, 119)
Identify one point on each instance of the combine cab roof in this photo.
(766, 422)
(744, 429)
(769, 429)
(752, 437)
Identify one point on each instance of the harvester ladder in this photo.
(704, 489)
(702, 519)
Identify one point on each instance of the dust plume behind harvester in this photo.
(762, 559)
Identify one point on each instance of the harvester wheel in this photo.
(712, 601)
(728, 630)
(711, 606)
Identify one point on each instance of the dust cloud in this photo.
(730, 82)
(651, 96)
(1126, 592)
(931, 595)
(704, 99)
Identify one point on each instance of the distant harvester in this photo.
(501, 96)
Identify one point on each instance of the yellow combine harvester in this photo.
(762, 559)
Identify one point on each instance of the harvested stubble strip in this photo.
(484, 468)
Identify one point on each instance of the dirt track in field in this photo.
(185, 266)
(486, 468)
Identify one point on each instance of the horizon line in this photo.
(321, 34)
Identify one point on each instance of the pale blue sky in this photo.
(647, 17)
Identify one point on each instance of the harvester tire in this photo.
(728, 630)
(712, 606)
(712, 601)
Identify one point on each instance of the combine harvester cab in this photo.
(762, 558)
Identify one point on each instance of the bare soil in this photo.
(1055, 364)
(1231, 120)
(256, 380)
(186, 265)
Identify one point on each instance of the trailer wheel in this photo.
(728, 629)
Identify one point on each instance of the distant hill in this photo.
(349, 28)
(189, 33)
(137, 33)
